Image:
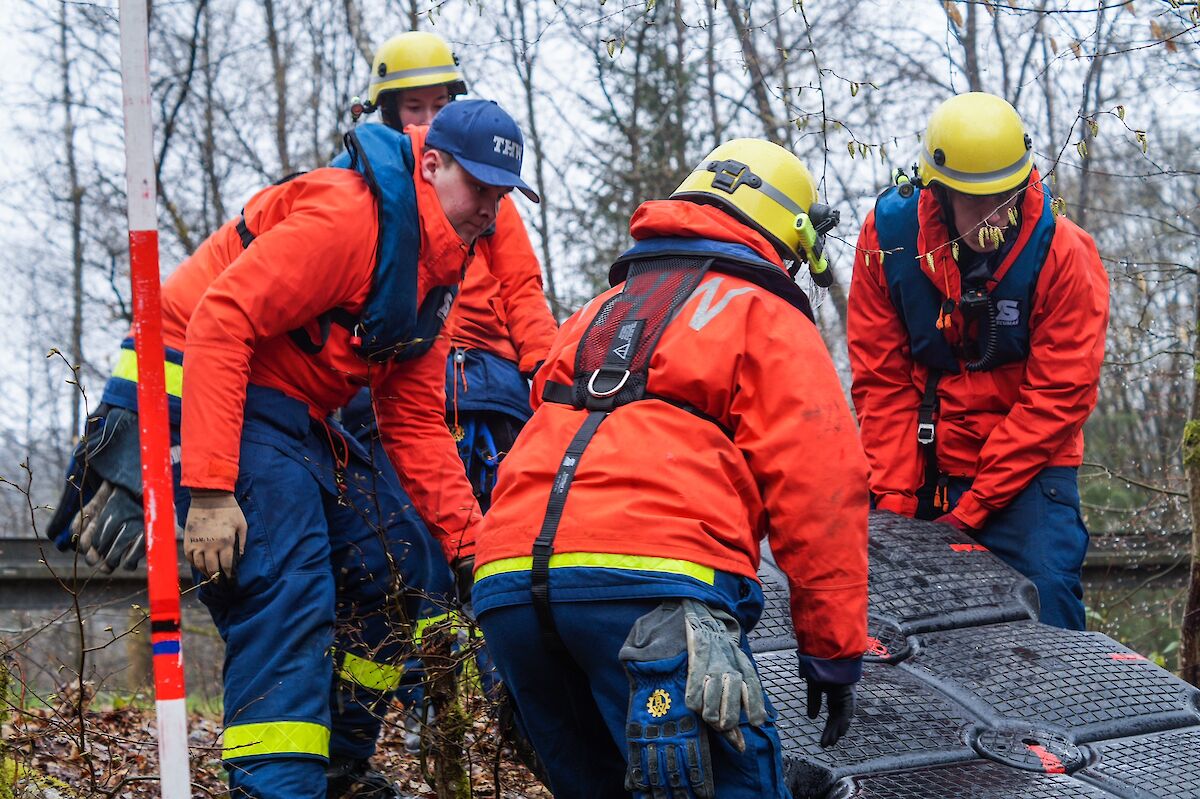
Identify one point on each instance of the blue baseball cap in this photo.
(484, 139)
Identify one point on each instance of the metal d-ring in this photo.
(591, 386)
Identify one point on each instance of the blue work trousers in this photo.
(1041, 534)
(329, 546)
(573, 704)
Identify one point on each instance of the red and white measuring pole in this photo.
(161, 564)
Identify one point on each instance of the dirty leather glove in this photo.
(955, 522)
(721, 679)
(841, 708)
(111, 531)
(668, 750)
(215, 535)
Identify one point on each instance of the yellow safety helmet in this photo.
(976, 144)
(760, 183)
(412, 61)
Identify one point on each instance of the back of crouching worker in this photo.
(675, 426)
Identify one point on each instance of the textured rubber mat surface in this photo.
(927, 576)
(1165, 764)
(964, 694)
(1085, 682)
(978, 780)
(774, 628)
(905, 717)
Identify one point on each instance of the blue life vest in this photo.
(918, 301)
(391, 326)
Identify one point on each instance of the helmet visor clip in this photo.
(730, 174)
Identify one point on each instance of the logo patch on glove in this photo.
(659, 703)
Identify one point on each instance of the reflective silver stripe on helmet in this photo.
(980, 177)
(778, 196)
(418, 72)
(765, 187)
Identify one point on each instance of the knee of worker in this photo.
(1060, 599)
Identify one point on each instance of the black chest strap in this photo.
(611, 369)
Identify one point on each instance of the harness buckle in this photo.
(599, 394)
(925, 433)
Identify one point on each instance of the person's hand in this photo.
(215, 535)
(955, 522)
(841, 708)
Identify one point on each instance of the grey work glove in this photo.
(841, 708)
(721, 679)
(111, 529)
(215, 535)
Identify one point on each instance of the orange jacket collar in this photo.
(443, 252)
(691, 220)
(934, 237)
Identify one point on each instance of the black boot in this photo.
(355, 779)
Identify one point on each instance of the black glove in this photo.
(464, 579)
(113, 529)
(841, 708)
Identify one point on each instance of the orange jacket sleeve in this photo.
(531, 326)
(318, 255)
(816, 505)
(1066, 347)
(885, 397)
(410, 408)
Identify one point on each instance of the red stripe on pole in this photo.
(161, 564)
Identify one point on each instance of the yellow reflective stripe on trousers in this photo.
(601, 560)
(424, 624)
(127, 369)
(275, 738)
(380, 677)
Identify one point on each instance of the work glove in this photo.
(841, 708)
(215, 535)
(956, 523)
(111, 530)
(464, 579)
(105, 469)
(721, 678)
(668, 751)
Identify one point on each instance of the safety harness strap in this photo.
(543, 547)
(564, 394)
(935, 483)
(611, 368)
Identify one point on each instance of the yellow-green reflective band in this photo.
(424, 624)
(369, 674)
(275, 738)
(127, 369)
(601, 560)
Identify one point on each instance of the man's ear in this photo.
(431, 162)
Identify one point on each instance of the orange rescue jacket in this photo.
(1002, 426)
(230, 309)
(660, 481)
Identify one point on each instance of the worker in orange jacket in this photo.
(616, 570)
(501, 327)
(976, 332)
(335, 279)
